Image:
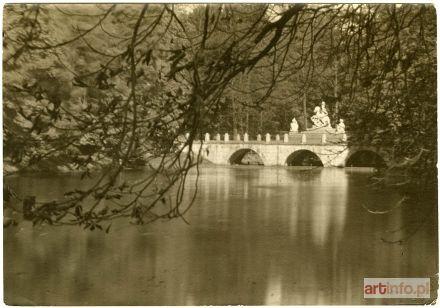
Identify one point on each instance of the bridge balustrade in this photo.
(267, 138)
(295, 138)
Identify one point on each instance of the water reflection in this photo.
(257, 236)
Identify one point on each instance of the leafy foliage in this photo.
(120, 85)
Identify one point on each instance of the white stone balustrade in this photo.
(341, 137)
(267, 137)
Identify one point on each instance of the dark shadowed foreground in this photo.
(257, 236)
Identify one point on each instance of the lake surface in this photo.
(256, 236)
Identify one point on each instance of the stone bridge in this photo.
(328, 149)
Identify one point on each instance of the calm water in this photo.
(257, 236)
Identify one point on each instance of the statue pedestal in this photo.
(320, 130)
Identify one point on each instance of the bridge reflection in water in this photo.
(256, 236)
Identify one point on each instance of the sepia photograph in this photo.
(178, 154)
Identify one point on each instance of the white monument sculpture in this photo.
(340, 127)
(316, 117)
(294, 126)
(320, 118)
(324, 115)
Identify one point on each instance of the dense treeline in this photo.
(116, 85)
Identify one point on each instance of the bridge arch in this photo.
(304, 158)
(365, 158)
(245, 157)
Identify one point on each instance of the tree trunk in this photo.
(335, 94)
(305, 111)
